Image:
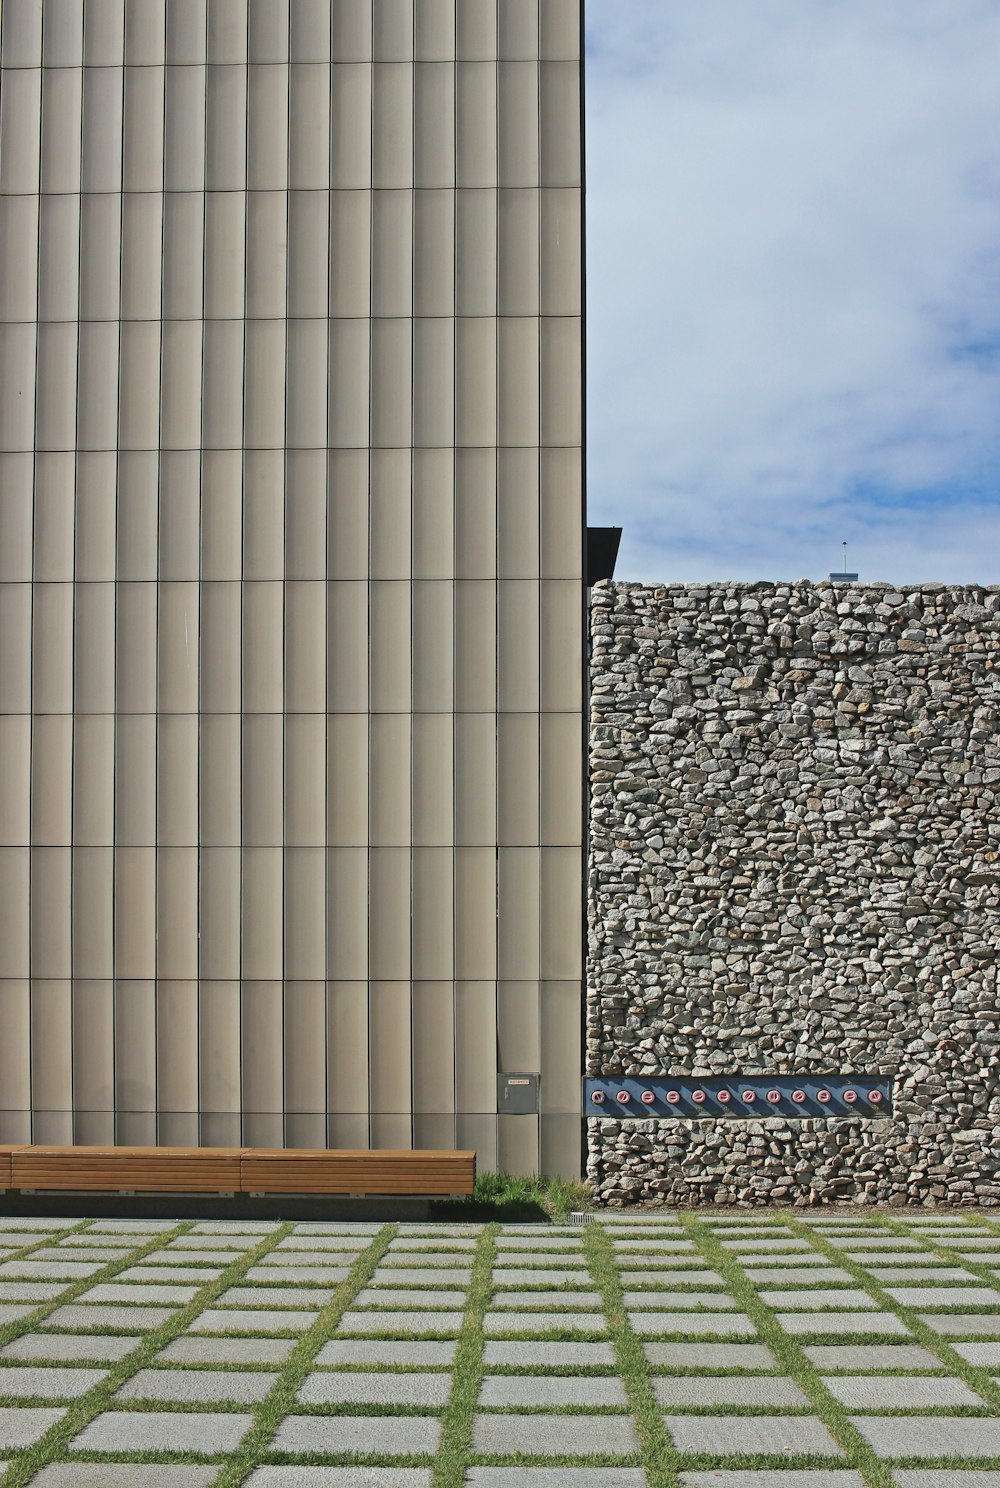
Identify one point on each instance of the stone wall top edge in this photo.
(776, 586)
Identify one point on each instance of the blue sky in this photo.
(794, 286)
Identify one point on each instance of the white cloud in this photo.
(794, 286)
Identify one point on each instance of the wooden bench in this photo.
(233, 1170)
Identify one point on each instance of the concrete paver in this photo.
(564, 1300)
(706, 1390)
(936, 1477)
(725, 1436)
(237, 1320)
(198, 1386)
(930, 1436)
(402, 1323)
(554, 1436)
(960, 1325)
(526, 1353)
(163, 1296)
(543, 1322)
(556, 1477)
(236, 1351)
(22, 1425)
(340, 1477)
(827, 1356)
(773, 1478)
(848, 1298)
(375, 1389)
(841, 1322)
(390, 1436)
(289, 1296)
(710, 1355)
(125, 1318)
(900, 1392)
(438, 1353)
(516, 1391)
(987, 1355)
(406, 1297)
(124, 1475)
(201, 1432)
(52, 1384)
(69, 1347)
(728, 1323)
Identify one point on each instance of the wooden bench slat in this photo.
(276, 1170)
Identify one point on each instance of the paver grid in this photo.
(776, 1351)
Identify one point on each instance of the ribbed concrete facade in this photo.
(291, 558)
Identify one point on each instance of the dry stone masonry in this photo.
(795, 868)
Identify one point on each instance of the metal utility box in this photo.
(517, 1095)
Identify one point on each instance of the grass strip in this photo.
(794, 1362)
(977, 1379)
(659, 1459)
(467, 1375)
(280, 1400)
(52, 1446)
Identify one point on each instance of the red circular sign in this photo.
(798, 1096)
(774, 1096)
(598, 1097)
(823, 1096)
(647, 1097)
(673, 1097)
(748, 1097)
(850, 1096)
(723, 1097)
(698, 1096)
(875, 1096)
(623, 1097)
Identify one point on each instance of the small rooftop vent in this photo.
(843, 576)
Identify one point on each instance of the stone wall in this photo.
(795, 867)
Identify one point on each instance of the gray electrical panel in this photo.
(517, 1095)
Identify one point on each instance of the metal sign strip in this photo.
(749, 1097)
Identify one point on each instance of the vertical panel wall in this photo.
(291, 567)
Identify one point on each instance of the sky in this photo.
(793, 282)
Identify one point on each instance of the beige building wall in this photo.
(291, 572)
